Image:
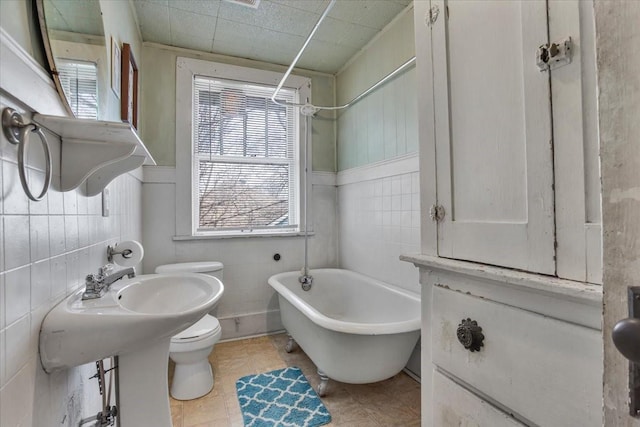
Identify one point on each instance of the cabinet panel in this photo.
(547, 371)
(453, 405)
(576, 146)
(493, 134)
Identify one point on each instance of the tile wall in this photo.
(46, 249)
(379, 220)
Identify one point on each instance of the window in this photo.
(244, 167)
(79, 82)
(245, 156)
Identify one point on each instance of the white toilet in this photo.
(190, 348)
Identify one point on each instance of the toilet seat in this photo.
(202, 329)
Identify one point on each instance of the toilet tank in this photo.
(211, 268)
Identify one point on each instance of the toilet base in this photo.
(191, 380)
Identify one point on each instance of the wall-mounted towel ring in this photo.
(17, 132)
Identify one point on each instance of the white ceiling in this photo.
(274, 32)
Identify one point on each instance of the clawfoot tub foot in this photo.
(291, 345)
(322, 387)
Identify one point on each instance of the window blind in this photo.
(245, 156)
(79, 83)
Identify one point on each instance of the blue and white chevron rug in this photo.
(281, 398)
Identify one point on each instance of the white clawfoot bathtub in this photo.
(354, 328)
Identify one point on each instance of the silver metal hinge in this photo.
(556, 55)
(432, 16)
(436, 213)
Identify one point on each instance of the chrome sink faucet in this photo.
(98, 284)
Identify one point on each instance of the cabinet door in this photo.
(493, 134)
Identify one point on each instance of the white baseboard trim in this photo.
(385, 168)
(250, 325)
(266, 334)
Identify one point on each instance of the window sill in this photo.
(240, 235)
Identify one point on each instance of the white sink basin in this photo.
(162, 295)
(131, 315)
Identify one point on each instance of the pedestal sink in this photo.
(134, 320)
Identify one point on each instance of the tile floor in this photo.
(394, 402)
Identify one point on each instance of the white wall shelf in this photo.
(95, 151)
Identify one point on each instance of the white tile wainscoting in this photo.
(379, 212)
(249, 305)
(47, 249)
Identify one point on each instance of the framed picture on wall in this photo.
(115, 68)
(129, 87)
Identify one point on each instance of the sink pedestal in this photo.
(144, 388)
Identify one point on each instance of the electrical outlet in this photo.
(106, 202)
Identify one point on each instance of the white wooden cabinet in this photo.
(510, 153)
(516, 149)
(493, 134)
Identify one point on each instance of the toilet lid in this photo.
(204, 327)
(190, 267)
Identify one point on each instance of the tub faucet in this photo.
(98, 284)
(306, 280)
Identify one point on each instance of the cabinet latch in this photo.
(436, 213)
(432, 16)
(556, 55)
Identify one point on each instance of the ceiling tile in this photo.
(229, 30)
(203, 7)
(254, 42)
(325, 57)
(154, 22)
(164, 3)
(188, 41)
(233, 37)
(288, 20)
(273, 16)
(55, 20)
(344, 33)
(370, 13)
(193, 24)
(233, 47)
(313, 6)
(77, 17)
(273, 33)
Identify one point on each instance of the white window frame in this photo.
(186, 213)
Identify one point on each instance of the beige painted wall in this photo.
(618, 60)
(159, 103)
